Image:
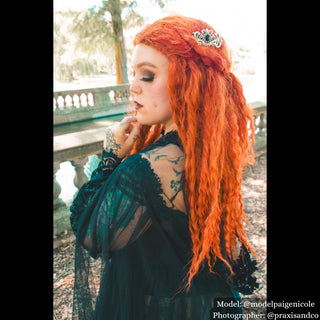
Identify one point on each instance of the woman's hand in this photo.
(121, 136)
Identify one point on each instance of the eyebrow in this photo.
(145, 63)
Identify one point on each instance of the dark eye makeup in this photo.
(147, 76)
(147, 79)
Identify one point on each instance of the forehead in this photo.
(145, 55)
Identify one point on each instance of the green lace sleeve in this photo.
(108, 163)
(116, 214)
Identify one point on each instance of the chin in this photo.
(149, 121)
(143, 120)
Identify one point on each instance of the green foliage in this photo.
(93, 31)
(84, 42)
(76, 51)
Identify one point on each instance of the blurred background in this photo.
(93, 38)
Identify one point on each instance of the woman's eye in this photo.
(147, 79)
(147, 76)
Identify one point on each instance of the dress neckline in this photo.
(169, 137)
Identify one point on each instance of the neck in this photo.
(171, 126)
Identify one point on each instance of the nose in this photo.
(135, 88)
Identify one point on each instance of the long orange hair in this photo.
(212, 117)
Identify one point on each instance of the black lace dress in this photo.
(132, 215)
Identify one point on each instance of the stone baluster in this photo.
(254, 119)
(90, 97)
(64, 101)
(261, 124)
(80, 177)
(85, 99)
(260, 136)
(73, 101)
(57, 202)
(93, 98)
(118, 95)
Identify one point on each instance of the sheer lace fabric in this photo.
(167, 163)
(132, 215)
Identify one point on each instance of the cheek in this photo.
(160, 98)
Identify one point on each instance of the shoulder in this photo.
(167, 164)
(133, 167)
(132, 162)
(134, 170)
(166, 155)
(146, 168)
(157, 174)
(139, 163)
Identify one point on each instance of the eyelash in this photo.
(147, 79)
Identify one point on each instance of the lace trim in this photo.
(172, 137)
(244, 281)
(105, 168)
(109, 161)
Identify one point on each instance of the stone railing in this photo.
(260, 120)
(78, 146)
(84, 104)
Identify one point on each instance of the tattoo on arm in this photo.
(175, 161)
(111, 143)
(156, 153)
(135, 137)
(177, 173)
(159, 157)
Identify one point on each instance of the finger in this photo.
(134, 134)
(127, 125)
(127, 120)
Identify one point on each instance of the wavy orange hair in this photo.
(212, 117)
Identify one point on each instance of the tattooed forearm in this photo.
(111, 144)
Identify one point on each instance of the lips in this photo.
(137, 105)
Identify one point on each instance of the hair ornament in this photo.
(208, 38)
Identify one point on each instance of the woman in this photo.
(163, 209)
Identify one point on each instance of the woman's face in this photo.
(150, 86)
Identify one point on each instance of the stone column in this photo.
(80, 177)
(57, 202)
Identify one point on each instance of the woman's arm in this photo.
(117, 214)
(106, 166)
(119, 141)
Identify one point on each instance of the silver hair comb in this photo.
(208, 38)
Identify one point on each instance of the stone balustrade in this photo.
(260, 119)
(78, 105)
(76, 147)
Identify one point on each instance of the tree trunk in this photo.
(121, 58)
